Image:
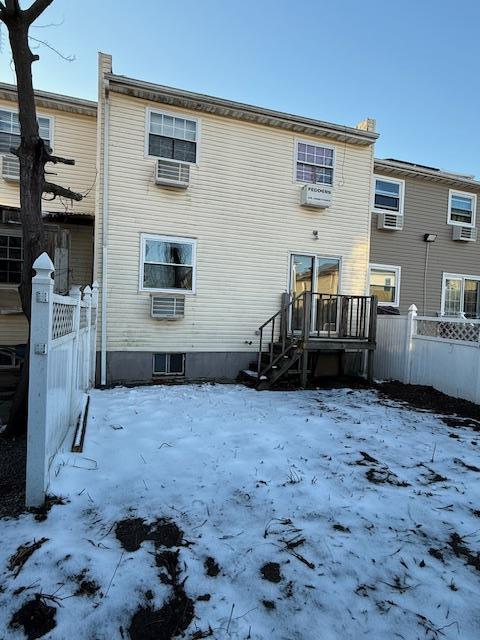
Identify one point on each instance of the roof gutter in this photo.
(106, 137)
(452, 179)
(238, 110)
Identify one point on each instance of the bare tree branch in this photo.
(36, 10)
(58, 191)
(59, 159)
(69, 58)
(47, 26)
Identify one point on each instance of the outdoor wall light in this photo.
(430, 237)
(315, 235)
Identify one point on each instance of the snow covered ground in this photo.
(370, 510)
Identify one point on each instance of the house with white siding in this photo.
(68, 125)
(208, 213)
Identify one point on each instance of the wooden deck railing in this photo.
(317, 316)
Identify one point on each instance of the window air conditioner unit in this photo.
(11, 168)
(390, 221)
(467, 234)
(172, 174)
(316, 195)
(168, 307)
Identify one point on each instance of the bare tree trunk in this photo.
(33, 155)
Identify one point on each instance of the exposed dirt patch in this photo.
(22, 554)
(131, 532)
(85, 587)
(165, 533)
(467, 414)
(432, 477)
(436, 553)
(35, 617)
(163, 624)
(12, 477)
(384, 476)
(41, 513)
(366, 459)
(461, 550)
(204, 597)
(340, 527)
(271, 572)
(268, 604)
(212, 568)
(174, 617)
(167, 561)
(470, 467)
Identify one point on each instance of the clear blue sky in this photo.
(411, 64)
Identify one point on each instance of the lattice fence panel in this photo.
(466, 331)
(63, 320)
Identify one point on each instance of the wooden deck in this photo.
(314, 323)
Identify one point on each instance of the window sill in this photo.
(169, 292)
(454, 223)
(190, 164)
(388, 211)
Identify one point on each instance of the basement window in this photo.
(168, 364)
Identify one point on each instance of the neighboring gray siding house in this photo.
(424, 248)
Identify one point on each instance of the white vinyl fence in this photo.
(62, 370)
(440, 352)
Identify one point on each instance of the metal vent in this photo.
(390, 221)
(168, 307)
(11, 168)
(467, 234)
(172, 174)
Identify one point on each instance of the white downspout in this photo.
(103, 347)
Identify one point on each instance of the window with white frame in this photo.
(461, 208)
(11, 258)
(168, 364)
(314, 163)
(10, 130)
(388, 194)
(172, 137)
(167, 264)
(385, 284)
(461, 295)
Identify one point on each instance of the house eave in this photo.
(238, 110)
(387, 167)
(49, 100)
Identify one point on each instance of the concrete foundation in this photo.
(136, 367)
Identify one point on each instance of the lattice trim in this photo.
(466, 331)
(63, 320)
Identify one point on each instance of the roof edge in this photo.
(432, 175)
(50, 100)
(237, 110)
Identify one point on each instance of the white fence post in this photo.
(77, 295)
(87, 297)
(411, 320)
(40, 338)
(93, 344)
